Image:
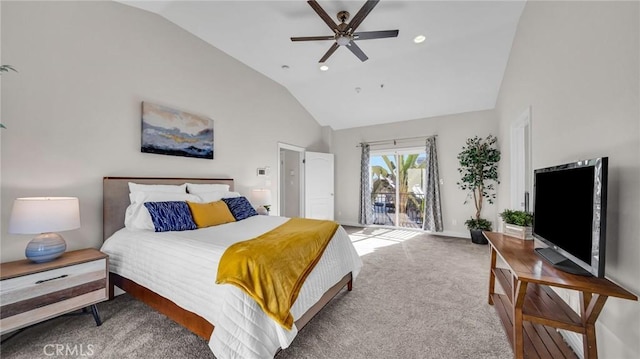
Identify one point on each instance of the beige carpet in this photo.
(418, 296)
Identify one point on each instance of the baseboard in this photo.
(351, 224)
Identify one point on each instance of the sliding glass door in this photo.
(397, 181)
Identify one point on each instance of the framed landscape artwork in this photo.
(171, 132)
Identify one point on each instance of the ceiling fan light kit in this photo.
(344, 33)
(343, 40)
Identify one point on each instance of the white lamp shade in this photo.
(33, 215)
(261, 197)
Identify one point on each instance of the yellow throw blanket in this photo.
(271, 268)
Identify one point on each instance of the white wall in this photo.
(577, 65)
(452, 133)
(73, 110)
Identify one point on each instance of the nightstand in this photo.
(34, 292)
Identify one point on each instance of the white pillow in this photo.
(137, 216)
(207, 197)
(167, 188)
(206, 187)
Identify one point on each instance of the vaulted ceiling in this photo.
(458, 68)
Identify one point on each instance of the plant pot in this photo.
(517, 231)
(477, 237)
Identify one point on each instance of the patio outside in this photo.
(397, 190)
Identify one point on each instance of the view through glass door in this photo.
(397, 181)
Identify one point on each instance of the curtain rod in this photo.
(395, 140)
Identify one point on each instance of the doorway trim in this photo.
(301, 152)
(521, 171)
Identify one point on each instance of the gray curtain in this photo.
(366, 209)
(432, 212)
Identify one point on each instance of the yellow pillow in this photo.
(210, 214)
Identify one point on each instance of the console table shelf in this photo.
(539, 341)
(531, 311)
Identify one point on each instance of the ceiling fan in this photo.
(344, 33)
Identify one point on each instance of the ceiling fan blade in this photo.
(323, 15)
(368, 35)
(357, 51)
(313, 38)
(364, 11)
(330, 52)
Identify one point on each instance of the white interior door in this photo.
(319, 199)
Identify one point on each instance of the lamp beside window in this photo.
(44, 216)
(261, 198)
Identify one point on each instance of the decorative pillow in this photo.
(240, 208)
(137, 216)
(216, 196)
(170, 216)
(166, 188)
(206, 187)
(210, 214)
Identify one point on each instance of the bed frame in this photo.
(115, 201)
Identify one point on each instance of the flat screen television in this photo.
(570, 215)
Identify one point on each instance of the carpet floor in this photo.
(418, 296)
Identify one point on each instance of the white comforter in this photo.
(182, 267)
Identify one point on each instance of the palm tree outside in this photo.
(397, 186)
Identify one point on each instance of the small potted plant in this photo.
(479, 170)
(517, 223)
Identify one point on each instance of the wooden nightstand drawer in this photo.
(38, 284)
(50, 289)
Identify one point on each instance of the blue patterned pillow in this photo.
(170, 216)
(240, 208)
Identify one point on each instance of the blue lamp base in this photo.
(45, 247)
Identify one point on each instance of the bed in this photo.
(174, 272)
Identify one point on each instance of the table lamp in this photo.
(262, 199)
(44, 216)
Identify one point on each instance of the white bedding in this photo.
(182, 267)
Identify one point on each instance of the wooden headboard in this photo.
(115, 197)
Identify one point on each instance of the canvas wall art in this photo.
(175, 133)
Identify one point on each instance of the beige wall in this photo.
(73, 110)
(452, 133)
(577, 65)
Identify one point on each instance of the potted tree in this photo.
(479, 170)
(517, 223)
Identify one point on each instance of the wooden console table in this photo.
(531, 310)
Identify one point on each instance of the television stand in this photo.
(531, 310)
(561, 262)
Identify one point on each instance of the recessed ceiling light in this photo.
(285, 67)
(324, 68)
(418, 39)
